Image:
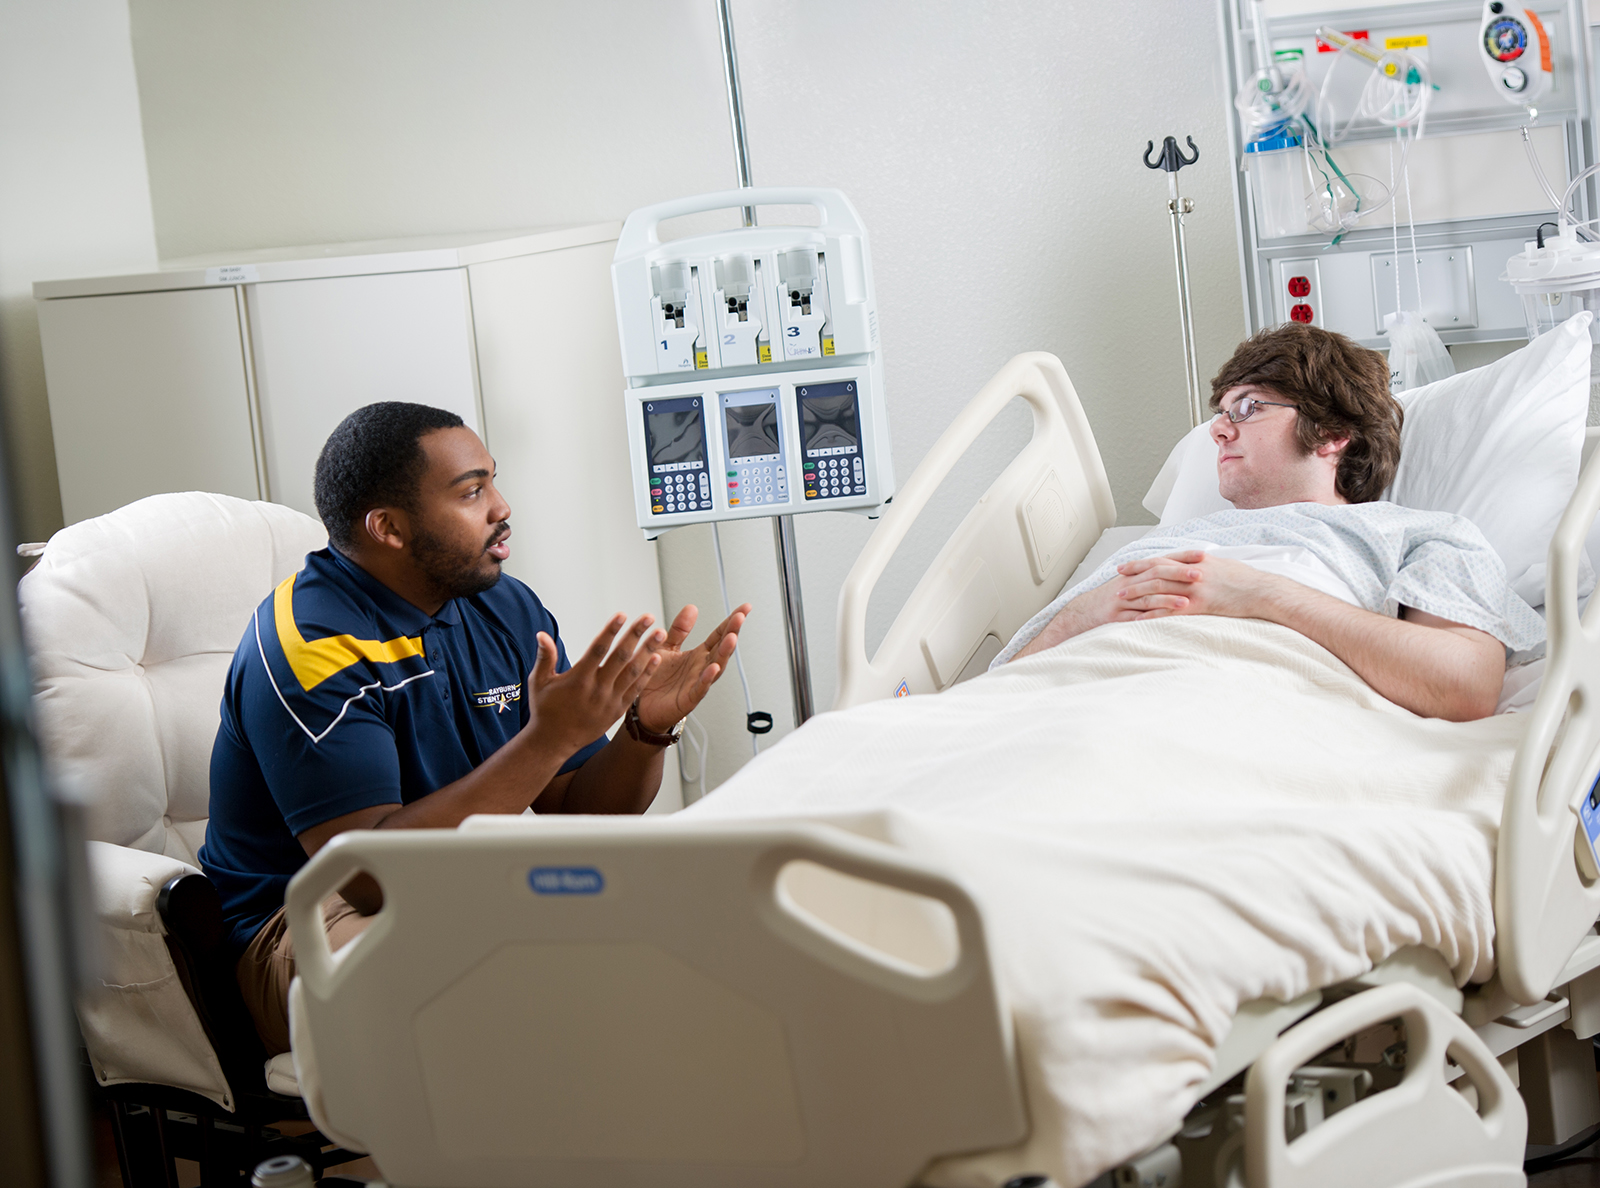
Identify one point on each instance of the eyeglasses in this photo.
(1245, 408)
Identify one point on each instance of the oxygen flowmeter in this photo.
(755, 386)
(1516, 51)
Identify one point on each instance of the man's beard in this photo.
(456, 573)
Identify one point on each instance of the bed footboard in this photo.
(1006, 560)
(633, 1003)
(1543, 901)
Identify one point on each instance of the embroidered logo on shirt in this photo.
(500, 697)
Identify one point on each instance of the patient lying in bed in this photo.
(1308, 438)
(1229, 797)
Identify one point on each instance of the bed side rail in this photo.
(1422, 1132)
(1007, 559)
(1543, 902)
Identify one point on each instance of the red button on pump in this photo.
(1299, 286)
(1301, 313)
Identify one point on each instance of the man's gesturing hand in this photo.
(684, 678)
(572, 708)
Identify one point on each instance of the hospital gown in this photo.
(1381, 556)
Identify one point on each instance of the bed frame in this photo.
(794, 1004)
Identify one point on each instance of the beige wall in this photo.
(993, 156)
(302, 122)
(74, 199)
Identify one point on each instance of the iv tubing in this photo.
(1335, 38)
(1538, 170)
(1549, 190)
(695, 736)
(727, 609)
(1394, 227)
(1411, 222)
(1264, 60)
(1561, 208)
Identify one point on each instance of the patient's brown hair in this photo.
(1339, 389)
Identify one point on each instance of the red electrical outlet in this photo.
(1299, 286)
(1301, 313)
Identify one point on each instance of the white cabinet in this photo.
(325, 347)
(178, 420)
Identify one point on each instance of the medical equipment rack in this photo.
(1348, 286)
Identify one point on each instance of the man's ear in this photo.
(386, 527)
(1332, 449)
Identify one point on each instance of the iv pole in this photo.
(794, 616)
(1171, 159)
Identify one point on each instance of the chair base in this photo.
(154, 1125)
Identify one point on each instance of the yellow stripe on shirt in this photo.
(315, 660)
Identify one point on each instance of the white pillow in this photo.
(1186, 487)
(1500, 445)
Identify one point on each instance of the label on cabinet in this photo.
(232, 274)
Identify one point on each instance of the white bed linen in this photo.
(1162, 820)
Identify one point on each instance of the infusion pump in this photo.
(755, 386)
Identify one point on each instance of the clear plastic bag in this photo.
(1417, 356)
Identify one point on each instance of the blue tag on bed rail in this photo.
(1589, 817)
(566, 880)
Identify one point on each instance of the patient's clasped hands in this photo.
(1184, 583)
(1188, 583)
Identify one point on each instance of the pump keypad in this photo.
(835, 477)
(680, 491)
(763, 482)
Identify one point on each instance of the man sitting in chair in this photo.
(401, 681)
(1416, 602)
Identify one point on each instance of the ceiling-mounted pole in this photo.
(783, 537)
(730, 74)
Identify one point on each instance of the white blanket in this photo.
(1163, 820)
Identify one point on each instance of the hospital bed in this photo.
(628, 1002)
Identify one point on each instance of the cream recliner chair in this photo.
(131, 621)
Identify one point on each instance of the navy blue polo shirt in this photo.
(342, 696)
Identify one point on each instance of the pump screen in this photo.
(675, 444)
(752, 430)
(674, 436)
(829, 421)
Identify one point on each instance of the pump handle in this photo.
(642, 229)
(1172, 158)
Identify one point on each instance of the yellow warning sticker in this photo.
(764, 352)
(699, 360)
(827, 346)
(1415, 41)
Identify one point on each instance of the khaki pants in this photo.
(267, 967)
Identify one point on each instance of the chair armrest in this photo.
(127, 884)
(139, 1023)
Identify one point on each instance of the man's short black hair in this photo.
(374, 459)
